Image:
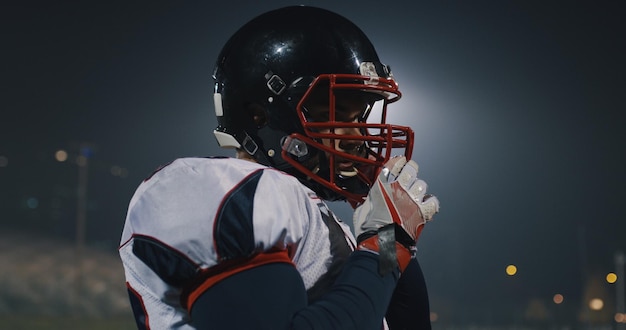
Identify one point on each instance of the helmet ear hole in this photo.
(258, 114)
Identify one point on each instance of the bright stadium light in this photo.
(511, 270)
(611, 278)
(596, 304)
(60, 155)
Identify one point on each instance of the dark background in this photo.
(517, 106)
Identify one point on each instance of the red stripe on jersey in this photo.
(218, 273)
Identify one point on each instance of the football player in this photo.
(249, 242)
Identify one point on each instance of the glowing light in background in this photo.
(4, 161)
(558, 298)
(596, 304)
(81, 160)
(511, 270)
(60, 155)
(32, 203)
(611, 278)
(433, 316)
(620, 317)
(119, 171)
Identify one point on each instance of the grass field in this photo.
(44, 286)
(65, 323)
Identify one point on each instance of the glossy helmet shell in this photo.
(273, 63)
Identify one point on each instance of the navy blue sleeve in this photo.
(273, 296)
(409, 307)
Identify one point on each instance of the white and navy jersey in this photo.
(198, 216)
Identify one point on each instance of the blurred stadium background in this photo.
(517, 107)
(47, 283)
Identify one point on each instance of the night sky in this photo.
(518, 109)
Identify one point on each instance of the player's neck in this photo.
(242, 154)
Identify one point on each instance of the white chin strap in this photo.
(350, 173)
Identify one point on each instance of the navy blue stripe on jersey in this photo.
(173, 267)
(139, 310)
(340, 251)
(233, 232)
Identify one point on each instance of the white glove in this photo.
(393, 214)
(397, 196)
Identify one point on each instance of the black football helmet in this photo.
(273, 71)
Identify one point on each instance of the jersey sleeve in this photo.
(198, 216)
(268, 210)
(272, 296)
(409, 307)
(213, 210)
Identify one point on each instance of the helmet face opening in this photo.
(344, 120)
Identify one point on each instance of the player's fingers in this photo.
(408, 175)
(417, 190)
(429, 207)
(394, 166)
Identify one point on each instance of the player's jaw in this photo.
(344, 166)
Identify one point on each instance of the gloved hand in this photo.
(396, 200)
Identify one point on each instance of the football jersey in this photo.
(195, 214)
